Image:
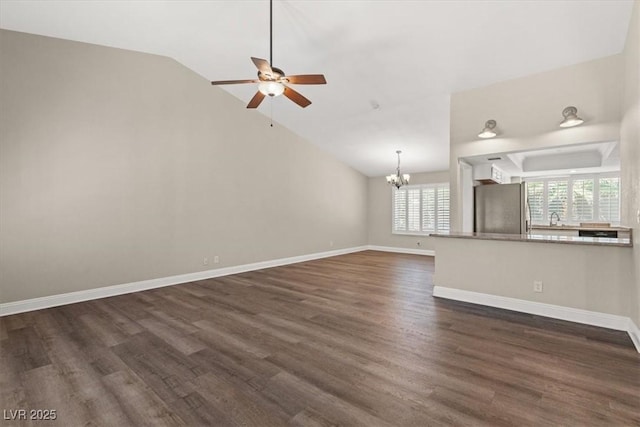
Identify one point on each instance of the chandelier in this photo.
(397, 179)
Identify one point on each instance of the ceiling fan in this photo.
(272, 81)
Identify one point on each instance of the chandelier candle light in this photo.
(398, 179)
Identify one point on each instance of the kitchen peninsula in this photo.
(581, 279)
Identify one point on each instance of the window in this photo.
(609, 198)
(420, 209)
(579, 198)
(535, 194)
(582, 200)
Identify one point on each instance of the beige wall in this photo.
(380, 213)
(593, 278)
(528, 111)
(630, 145)
(119, 166)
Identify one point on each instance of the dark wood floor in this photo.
(355, 340)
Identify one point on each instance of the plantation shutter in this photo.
(429, 209)
(443, 209)
(557, 197)
(575, 199)
(535, 198)
(609, 199)
(400, 210)
(582, 200)
(413, 210)
(420, 209)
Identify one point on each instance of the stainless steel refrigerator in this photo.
(501, 208)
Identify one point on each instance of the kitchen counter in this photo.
(541, 238)
(578, 279)
(577, 227)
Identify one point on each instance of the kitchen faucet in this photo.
(551, 223)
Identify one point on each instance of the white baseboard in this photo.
(428, 252)
(16, 307)
(634, 333)
(594, 318)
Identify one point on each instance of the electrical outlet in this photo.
(205, 261)
(216, 259)
(537, 286)
(330, 243)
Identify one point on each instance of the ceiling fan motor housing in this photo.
(277, 74)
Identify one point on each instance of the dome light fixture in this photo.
(489, 130)
(271, 88)
(398, 179)
(571, 118)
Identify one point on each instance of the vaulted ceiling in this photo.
(390, 65)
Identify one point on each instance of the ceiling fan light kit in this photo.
(271, 80)
(270, 88)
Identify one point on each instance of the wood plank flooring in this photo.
(353, 340)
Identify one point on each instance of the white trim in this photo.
(604, 320)
(634, 333)
(428, 252)
(16, 307)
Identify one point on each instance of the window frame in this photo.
(420, 187)
(568, 219)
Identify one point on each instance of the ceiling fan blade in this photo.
(256, 100)
(296, 97)
(306, 79)
(263, 66)
(233, 82)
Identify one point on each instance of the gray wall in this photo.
(380, 213)
(118, 166)
(630, 145)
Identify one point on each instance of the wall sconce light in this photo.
(571, 118)
(488, 131)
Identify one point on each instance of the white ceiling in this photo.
(390, 65)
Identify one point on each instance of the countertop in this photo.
(540, 238)
(577, 227)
